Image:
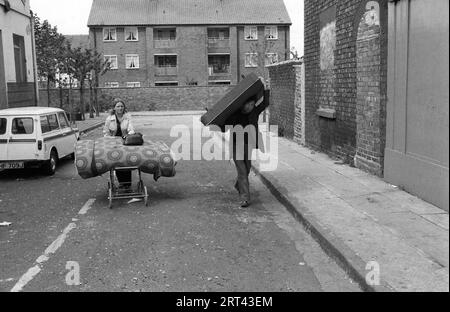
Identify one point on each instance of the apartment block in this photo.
(187, 42)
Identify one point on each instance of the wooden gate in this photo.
(417, 146)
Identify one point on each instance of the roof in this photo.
(31, 110)
(78, 41)
(188, 12)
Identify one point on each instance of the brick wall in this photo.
(331, 79)
(146, 99)
(285, 99)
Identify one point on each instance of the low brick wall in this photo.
(145, 99)
(285, 99)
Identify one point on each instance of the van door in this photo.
(22, 143)
(69, 135)
(3, 138)
(52, 135)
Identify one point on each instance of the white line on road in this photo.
(87, 206)
(51, 249)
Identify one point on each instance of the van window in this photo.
(45, 127)
(22, 126)
(63, 120)
(2, 126)
(53, 122)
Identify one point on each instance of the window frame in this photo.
(266, 32)
(112, 84)
(267, 58)
(111, 56)
(248, 31)
(247, 65)
(32, 126)
(5, 125)
(126, 31)
(126, 61)
(136, 84)
(63, 121)
(115, 32)
(52, 126)
(158, 83)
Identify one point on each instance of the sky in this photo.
(74, 19)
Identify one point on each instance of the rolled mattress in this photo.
(96, 157)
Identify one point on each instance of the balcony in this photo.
(218, 42)
(166, 70)
(165, 43)
(219, 70)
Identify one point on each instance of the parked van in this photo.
(35, 137)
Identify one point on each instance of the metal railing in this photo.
(166, 70)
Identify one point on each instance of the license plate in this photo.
(12, 165)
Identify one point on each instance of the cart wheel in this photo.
(146, 196)
(110, 198)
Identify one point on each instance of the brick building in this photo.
(17, 56)
(346, 80)
(187, 42)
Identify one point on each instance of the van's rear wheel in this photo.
(50, 166)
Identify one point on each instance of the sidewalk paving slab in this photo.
(360, 218)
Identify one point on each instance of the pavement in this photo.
(383, 237)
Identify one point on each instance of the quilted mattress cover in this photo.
(96, 157)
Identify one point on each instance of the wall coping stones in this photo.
(328, 113)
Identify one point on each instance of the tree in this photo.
(81, 67)
(99, 67)
(49, 50)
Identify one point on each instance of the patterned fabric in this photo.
(94, 158)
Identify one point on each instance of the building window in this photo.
(131, 34)
(166, 84)
(271, 32)
(271, 58)
(218, 64)
(165, 34)
(219, 82)
(20, 59)
(132, 61)
(112, 59)
(251, 59)
(109, 34)
(166, 65)
(251, 33)
(111, 84)
(133, 84)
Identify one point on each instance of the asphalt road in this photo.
(193, 236)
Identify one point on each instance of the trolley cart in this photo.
(116, 191)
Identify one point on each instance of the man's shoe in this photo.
(245, 204)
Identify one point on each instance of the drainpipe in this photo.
(33, 47)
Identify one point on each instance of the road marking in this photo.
(31, 273)
(26, 278)
(51, 249)
(87, 206)
(6, 280)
